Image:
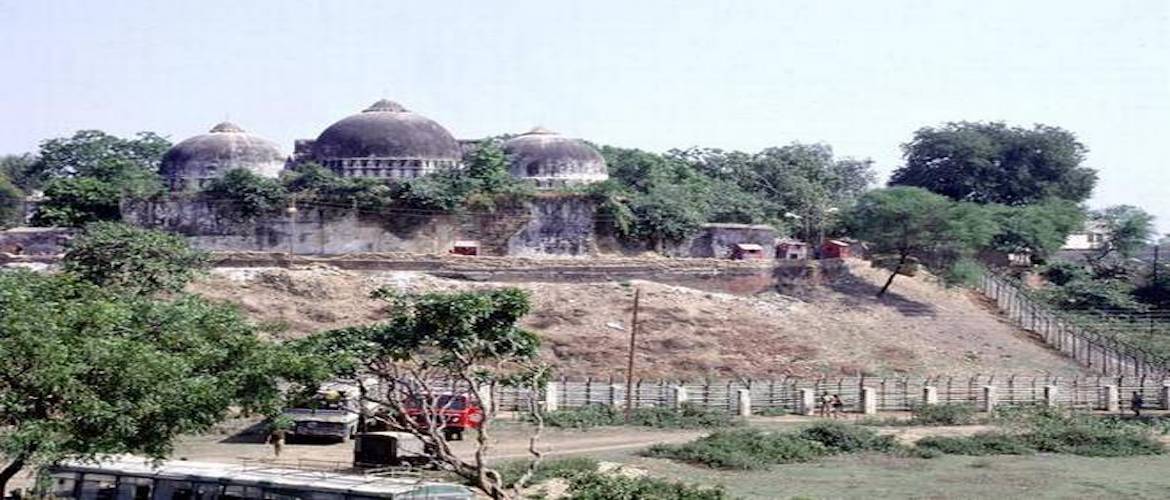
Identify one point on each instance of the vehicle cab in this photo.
(454, 412)
(335, 411)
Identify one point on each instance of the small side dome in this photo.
(386, 140)
(552, 160)
(192, 163)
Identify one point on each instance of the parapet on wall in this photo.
(560, 225)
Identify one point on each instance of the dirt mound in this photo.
(919, 328)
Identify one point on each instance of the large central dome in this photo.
(386, 140)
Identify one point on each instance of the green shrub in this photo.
(584, 417)
(684, 417)
(991, 443)
(595, 486)
(771, 411)
(510, 472)
(741, 449)
(838, 437)
(943, 414)
(1095, 439)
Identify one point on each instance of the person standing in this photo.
(838, 406)
(277, 438)
(826, 404)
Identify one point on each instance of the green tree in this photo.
(244, 194)
(912, 222)
(1128, 230)
(11, 204)
(470, 338)
(88, 372)
(1039, 229)
(73, 202)
(994, 163)
(19, 169)
(86, 176)
(131, 259)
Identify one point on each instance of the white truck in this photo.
(334, 411)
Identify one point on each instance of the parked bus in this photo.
(126, 477)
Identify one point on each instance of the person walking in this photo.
(838, 407)
(826, 404)
(277, 438)
(1135, 404)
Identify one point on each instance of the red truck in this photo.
(454, 412)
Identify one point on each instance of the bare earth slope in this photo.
(919, 328)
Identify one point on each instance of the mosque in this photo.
(384, 141)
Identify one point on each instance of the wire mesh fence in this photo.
(891, 394)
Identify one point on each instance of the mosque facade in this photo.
(384, 141)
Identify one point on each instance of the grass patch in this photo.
(684, 417)
(746, 449)
(771, 411)
(595, 486)
(510, 472)
(990, 443)
(1050, 430)
(930, 415)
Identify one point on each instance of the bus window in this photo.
(282, 495)
(233, 492)
(64, 484)
(207, 491)
(320, 495)
(174, 490)
(98, 487)
(135, 488)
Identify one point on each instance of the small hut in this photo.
(747, 251)
(790, 249)
(465, 248)
(834, 249)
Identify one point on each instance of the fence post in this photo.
(551, 397)
(929, 395)
(1050, 395)
(988, 399)
(808, 402)
(869, 402)
(678, 395)
(744, 398)
(1112, 401)
(1165, 395)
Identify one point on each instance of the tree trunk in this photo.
(10, 471)
(897, 269)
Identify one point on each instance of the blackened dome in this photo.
(386, 130)
(552, 160)
(225, 147)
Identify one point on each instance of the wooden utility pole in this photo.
(630, 360)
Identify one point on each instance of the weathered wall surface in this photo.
(714, 240)
(558, 226)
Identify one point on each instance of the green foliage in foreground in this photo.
(943, 414)
(1053, 431)
(595, 486)
(685, 417)
(131, 259)
(755, 449)
(88, 371)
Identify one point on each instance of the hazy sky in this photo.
(860, 75)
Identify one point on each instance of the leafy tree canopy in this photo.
(19, 170)
(994, 163)
(131, 259)
(88, 371)
(913, 222)
(1128, 230)
(11, 204)
(245, 194)
(86, 176)
(1039, 229)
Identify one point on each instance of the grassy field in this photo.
(884, 476)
